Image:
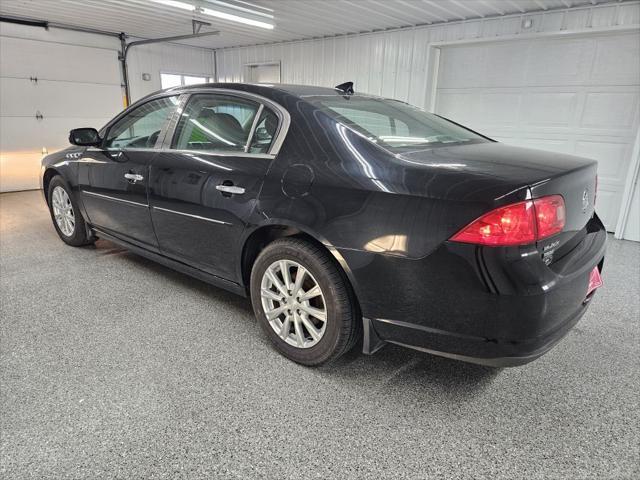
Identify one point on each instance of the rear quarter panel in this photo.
(360, 197)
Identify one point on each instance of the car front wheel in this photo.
(303, 302)
(65, 214)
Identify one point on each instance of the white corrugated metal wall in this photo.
(394, 63)
(397, 64)
(165, 58)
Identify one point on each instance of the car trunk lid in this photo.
(520, 173)
(578, 188)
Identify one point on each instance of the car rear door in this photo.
(114, 178)
(205, 183)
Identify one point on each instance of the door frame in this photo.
(284, 119)
(433, 68)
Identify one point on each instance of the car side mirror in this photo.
(84, 137)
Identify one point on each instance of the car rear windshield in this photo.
(395, 125)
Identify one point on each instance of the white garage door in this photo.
(572, 95)
(76, 87)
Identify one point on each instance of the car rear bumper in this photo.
(492, 306)
(483, 351)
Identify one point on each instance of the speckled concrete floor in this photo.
(114, 367)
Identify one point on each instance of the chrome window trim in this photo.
(220, 153)
(114, 199)
(220, 222)
(135, 149)
(281, 112)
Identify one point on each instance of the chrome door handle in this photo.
(230, 189)
(133, 177)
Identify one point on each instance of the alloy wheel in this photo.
(294, 303)
(63, 211)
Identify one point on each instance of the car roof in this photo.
(261, 88)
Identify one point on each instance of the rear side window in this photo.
(395, 125)
(265, 132)
(214, 122)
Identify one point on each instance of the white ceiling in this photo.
(294, 19)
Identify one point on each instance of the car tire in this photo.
(342, 323)
(70, 225)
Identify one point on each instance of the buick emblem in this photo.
(585, 200)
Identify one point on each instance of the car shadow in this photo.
(391, 370)
(394, 369)
(107, 248)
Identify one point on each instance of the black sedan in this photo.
(344, 217)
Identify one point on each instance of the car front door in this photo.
(204, 185)
(113, 178)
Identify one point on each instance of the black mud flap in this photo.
(371, 341)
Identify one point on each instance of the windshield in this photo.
(395, 125)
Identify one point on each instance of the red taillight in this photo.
(550, 215)
(510, 225)
(520, 223)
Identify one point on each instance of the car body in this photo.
(385, 213)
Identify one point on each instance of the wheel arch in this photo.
(259, 237)
(47, 176)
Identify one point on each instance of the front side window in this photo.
(216, 123)
(141, 127)
(395, 125)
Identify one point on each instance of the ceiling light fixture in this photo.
(219, 14)
(176, 4)
(236, 18)
(243, 9)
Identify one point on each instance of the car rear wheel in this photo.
(65, 214)
(303, 302)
